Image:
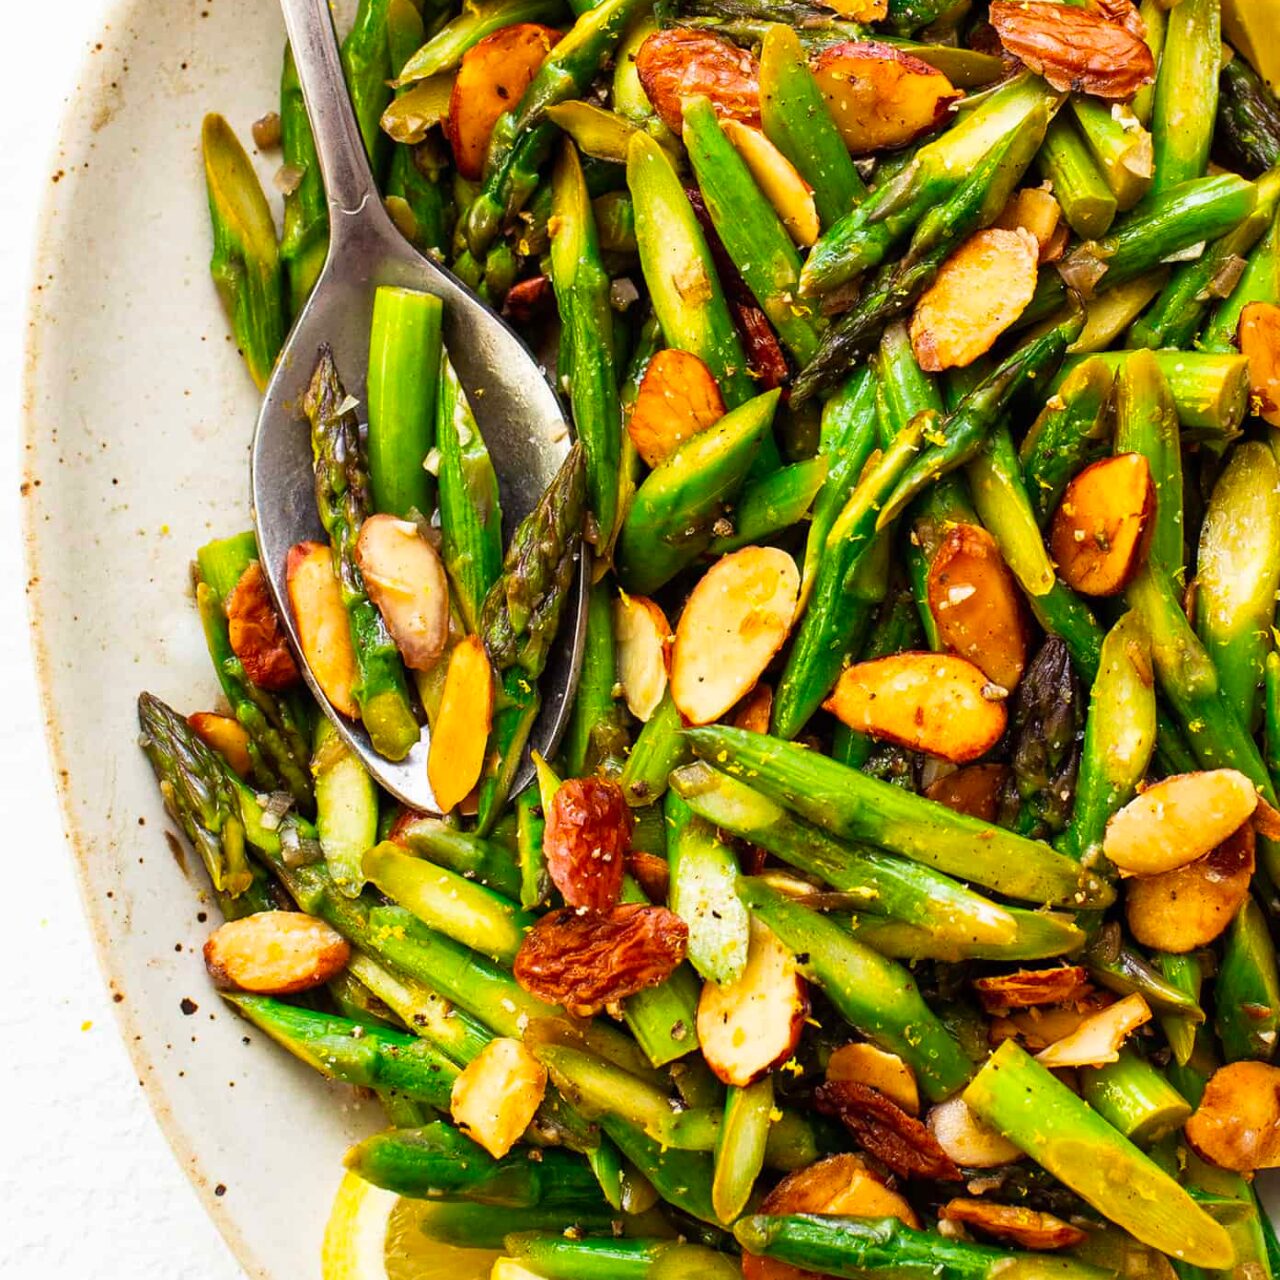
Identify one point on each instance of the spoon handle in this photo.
(344, 167)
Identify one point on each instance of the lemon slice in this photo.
(375, 1235)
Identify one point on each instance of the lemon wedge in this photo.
(375, 1235)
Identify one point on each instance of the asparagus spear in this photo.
(682, 1178)
(1121, 146)
(366, 66)
(404, 365)
(342, 497)
(346, 807)
(1259, 283)
(863, 1247)
(1134, 1097)
(582, 292)
(1248, 125)
(658, 749)
(854, 807)
(1079, 185)
(750, 230)
(797, 121)
(275, 722)
(1038, 1113)
(559, 1258)
(740, 1148)
(1186, 97)
(305, 242)
(683, 284)
(444, 50)
(468, 854)
(1040, 935)
(597, 735)
(438, 1162)
(1156, 21)
(1247, 995)
(378, 1058)
(771, 505)
(1238, 574)
(246, 256)
(874, 995)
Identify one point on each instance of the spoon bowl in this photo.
(518, 413)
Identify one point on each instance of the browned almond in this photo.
(677, 398)
(933, 702)
(275, 953)
(1034, 209)
(255, 633)
(1259, 339)
(321, 618)
(642, 638)
(881, 96)
(677, 63)
(878, 1069)
(967, 1139)
(974, 790)
(980, 292)
(1027, 1228)
(226, 736)
(1062, 984)
(1097, 1040)
(461, 731)
(497, 1095)
(754, 711)
(779, 181)
(1102, 528)
(1237, 1124)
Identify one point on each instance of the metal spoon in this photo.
(518, 414)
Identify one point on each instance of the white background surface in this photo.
(88, 1188)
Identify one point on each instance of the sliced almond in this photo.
(275, 953)
(1178, 821)
(778, 179)
(968, 1139)
(974, 790)
(255, 633)
(1035, 210)
(497, 1095)
(979, 293)
(1102, 527)
(405, 578)
(677, 398)
(880, 96)
(1237, 1124)
(1098, 1039)
(1191, 907)
(642, 637)
(1259, 339)
(933, 702)
(748, 1027)
(1027, 1228)
(226, 736)
(461, 733)
(878, 1069)
(977, 606)
(755, 710)
(321, 619)
(677, 63)
(734, 622)
(1029, 988)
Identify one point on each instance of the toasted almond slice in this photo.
(968, 1139)
(974, 790)
(755, 710)
(733, 623)
(405, 578)
(977, 606)
(1098, 1039)
(677, 398)
(497, 1095)
(275, 953)
(879, 95)
(748, 1027)
(255, 633)
(1028, 1228)
(980, 292)
(1178, 821)
(226, 736)
(1102, 527)
(321, 619)
(1062, 984)
(1044, 1025)
(1191, 907)
(775, 175)
(1237, 1124)
(1259, 339)
(678, 63)
(1035, 210)
(878, 1069)
(456, 755)
(933, 702)
(493, 76)
(642, 636)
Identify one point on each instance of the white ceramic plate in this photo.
(139, 419)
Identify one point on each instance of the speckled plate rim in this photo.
(70, 142)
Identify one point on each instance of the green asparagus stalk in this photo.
(752, 233)
(682, 1178)
(376, 1058)
(1120, 145)
(404, 365)
(740, 1148)
(866, 1247)
(1134, 1097)
(675, 508)
(797, 121)
(521, 613)
(882, 884)
(305, 242)
(1079, 185)
(683, 284)
(1108, 315)
(852, 806)
(275, 722)
(772, 505)
(1248, 125)
(1119, 737)
(535, 882)
(470, 855)
(1259, 283)
(875, 996)
(559, 1258)
(476, 1226)
(1038, 1113)
(658, 749)
(366, 66)
(1238, 575)
(346, 807)
(246, 256)
(597, 734)
(342, 497)
(1247, 994)
(1186, 96)
(863, 238)
(1155, 20)
(582, 292)
(444, 50)
(1040, 935)
(438, 1162)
